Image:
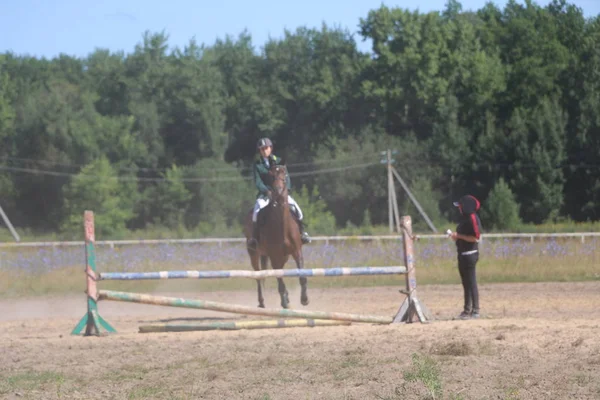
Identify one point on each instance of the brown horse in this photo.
(278, 237)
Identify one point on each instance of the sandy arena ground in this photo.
(536, 341)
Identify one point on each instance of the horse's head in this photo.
(278, 174)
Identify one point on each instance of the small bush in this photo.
(501, 211)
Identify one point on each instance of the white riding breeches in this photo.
(262, 203)
(293, 203)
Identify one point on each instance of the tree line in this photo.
(499, 103)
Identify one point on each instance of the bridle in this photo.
(278, 178)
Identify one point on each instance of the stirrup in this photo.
(305, 238)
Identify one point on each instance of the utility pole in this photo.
(395, 205)
(414, 200)
(392, 204)
(390, 182)
(393, 213)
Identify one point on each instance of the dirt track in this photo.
(536, 341)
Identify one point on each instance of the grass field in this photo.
(43, 271)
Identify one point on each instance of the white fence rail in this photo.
(327, 239)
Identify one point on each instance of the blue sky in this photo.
(46, 28)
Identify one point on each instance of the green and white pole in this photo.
(92, 321)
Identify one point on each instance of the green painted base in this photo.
(94, 325)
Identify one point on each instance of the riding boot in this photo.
(252, 243)
(303, 234)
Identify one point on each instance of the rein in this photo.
(274, 200)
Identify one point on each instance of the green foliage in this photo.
(538, 146)
(465, 98)
(501, 211)
(427, 197)
(221, 198)
(165, 203)
(316, 216)
(96, 188)
(367, 224)
(363, 186)
(7, 112)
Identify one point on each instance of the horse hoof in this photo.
(304, 302)
(261, 306)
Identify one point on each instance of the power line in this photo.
(338, 169)
(143, 169)
(120, 177)
(205, 179)
(292, 174)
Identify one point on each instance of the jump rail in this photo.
(237, 309)
(410, 310)
(237, 325)
(268, 273)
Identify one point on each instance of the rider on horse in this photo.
(264, 161)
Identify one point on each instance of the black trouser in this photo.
(466, 267)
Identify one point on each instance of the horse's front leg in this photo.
(299, 258)
(259, 282)
(283, 293)
(278, 262)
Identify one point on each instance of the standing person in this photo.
(467, 237)
(264, 160)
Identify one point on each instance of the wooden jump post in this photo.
(93, 323)
(410, 311)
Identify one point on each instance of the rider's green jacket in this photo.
(261, 173)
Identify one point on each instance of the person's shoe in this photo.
(304, 236)
(475, 315)
(464, 315)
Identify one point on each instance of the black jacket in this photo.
(469, 225)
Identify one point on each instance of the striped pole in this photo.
(278, 273)
(232, 326)
(237, 309)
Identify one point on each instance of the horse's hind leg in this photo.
(259, 282)
(299, 258)
(259, 285)
(263, 262)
